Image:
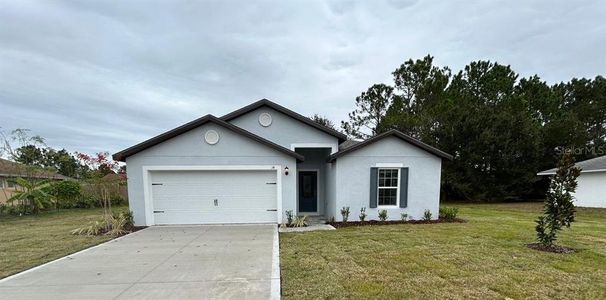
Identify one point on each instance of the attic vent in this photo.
(211, 137)
(265, 119)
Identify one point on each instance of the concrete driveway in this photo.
(239, 261)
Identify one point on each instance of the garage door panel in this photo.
(188, 197)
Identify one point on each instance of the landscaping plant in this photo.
(33, 197)
(102, 185)
(448, 213)
(362, 215)
(345, 213)
(299, 221)
(558, 211)
(427, 215)
(383, 215)
(289, 217)
(404, 216)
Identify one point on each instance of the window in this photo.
(388, 184)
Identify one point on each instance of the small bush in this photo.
(345, 213)
(300, 221)
(404, 216)
(117, 200)
(427, 215)
(117, 224)
(8, 209)
(289, 217)
(66, 192)
(383, 215)
(362, 215)
(448, 213)
(85, 201)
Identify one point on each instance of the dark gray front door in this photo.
(308, 191)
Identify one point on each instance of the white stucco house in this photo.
(591, 189)
(255, 163)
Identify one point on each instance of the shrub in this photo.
(362, 215)
(66, 192)
(345, 213)
(86, 201)
(117, 200)
(289, 217)
(404, 216)
(427, 215)
(383, 215)
(448, 213)
(10, 209)
(300, 221)
(114, 225)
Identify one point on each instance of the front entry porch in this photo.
(311, 183)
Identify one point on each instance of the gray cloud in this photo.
(94, 76)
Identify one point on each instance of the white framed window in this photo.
(388, 187)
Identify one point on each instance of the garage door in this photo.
(207, 197)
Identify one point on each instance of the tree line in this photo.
(500, 128)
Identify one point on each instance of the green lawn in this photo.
(485, 258)
(29, 241)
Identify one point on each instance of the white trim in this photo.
(149, 207)
(66, 256)
(588, 171)
(397, 205)
(317, 212)
(275, 266)
(333, 147)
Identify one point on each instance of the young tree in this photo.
(371, 107)
(559, 209)
(102, 185)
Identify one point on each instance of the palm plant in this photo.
(32, 195)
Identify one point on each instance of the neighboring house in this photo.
(254, 164)
(10, 170)
(591, 189)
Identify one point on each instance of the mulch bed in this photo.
(375, 222)
(553, 249)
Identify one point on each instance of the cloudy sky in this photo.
(92, 76)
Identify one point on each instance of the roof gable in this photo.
(382, 136)
(121, 156)
(305, 120)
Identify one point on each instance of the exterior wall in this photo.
(189, 149)
(315, 159)
(284, 130)
(331, 190)
(353, 179)
(591, 191)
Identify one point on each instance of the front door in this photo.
(308, 191)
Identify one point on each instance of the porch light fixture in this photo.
(286, 170)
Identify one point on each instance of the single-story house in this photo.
(10, 170)
(254, 164)
(591, 188)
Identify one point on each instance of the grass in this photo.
(32, 240)
(485, 258)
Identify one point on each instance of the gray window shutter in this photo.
(373, 187)
(403, 187)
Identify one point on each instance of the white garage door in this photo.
(207, 197)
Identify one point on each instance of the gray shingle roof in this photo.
(597, 164)
(12, 169)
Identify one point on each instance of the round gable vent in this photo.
(211, 137)
(265, 119)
